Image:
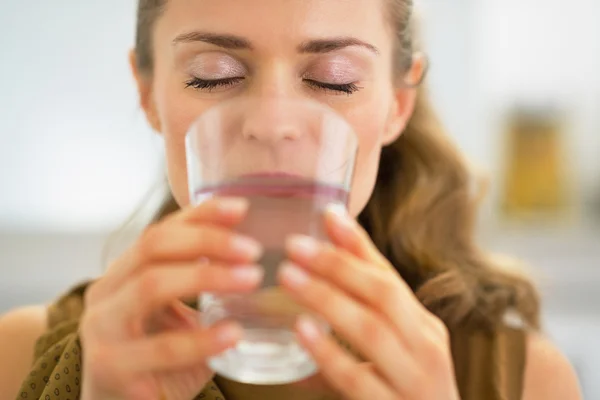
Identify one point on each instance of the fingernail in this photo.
(229, 334)
(247, 274)
(232, 205)
(293, 274)
(247, 247)
(308, 328)
(340, 215)
(303, 245)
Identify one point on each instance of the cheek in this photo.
(177, 111)
(369, 125)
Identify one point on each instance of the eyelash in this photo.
(204, 84)
(340, 88)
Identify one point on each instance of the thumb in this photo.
(176, 316)
(318, 383)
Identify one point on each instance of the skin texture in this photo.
(274, 68)
(142, 343)
(19, 329)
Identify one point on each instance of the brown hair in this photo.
(422, 212)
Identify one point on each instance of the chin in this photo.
(179, 190)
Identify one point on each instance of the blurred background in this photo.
(516, 83)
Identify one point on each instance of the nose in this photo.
(272, 121)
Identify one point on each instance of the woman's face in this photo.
(281, 49)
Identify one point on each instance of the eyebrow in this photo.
(333, 44)
(233, 42)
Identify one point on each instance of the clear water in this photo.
(279, 206)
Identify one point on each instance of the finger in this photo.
(371, 335)
(342, 371)
(160, 286)
(316, 384)
(319, 384)
(176, 316)
(172, 243)
(184, 313)
(380, 290)
(174, 350)
(224, 211)
(345, 232)
(175, 242)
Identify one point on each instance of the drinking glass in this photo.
(291, 159)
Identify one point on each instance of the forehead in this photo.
(273, 23)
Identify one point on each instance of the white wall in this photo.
(68, 100)
(490, 55)
(75, 152)
(543, 53)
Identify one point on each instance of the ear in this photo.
(401, 110)
(403, 104)
(144, 86)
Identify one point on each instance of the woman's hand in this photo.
(140, 341)
(353, 287)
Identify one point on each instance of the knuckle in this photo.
(329, 257)
(166, 350)
(372, 330)
(435, 353)
(420, 381)
(210, 240)
(194, 212)
(98, 356)
(204, 235)
(211, 277)
(336, 274)
(100, 364)
(147, 284)
(350, 378)
(318, 293)
(386, 293)
(216, 276)
(91, 294)
(90, 320)
(149, 242)
(441, 330)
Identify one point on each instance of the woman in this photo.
(422, 308)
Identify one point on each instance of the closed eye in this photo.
(210, 84)
(340, 88)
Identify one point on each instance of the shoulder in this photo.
(548, 373)
(19, 331)
(22, 326)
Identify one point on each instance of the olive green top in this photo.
(488, 365)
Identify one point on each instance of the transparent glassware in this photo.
(291, 159)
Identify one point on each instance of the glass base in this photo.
(265, 357)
